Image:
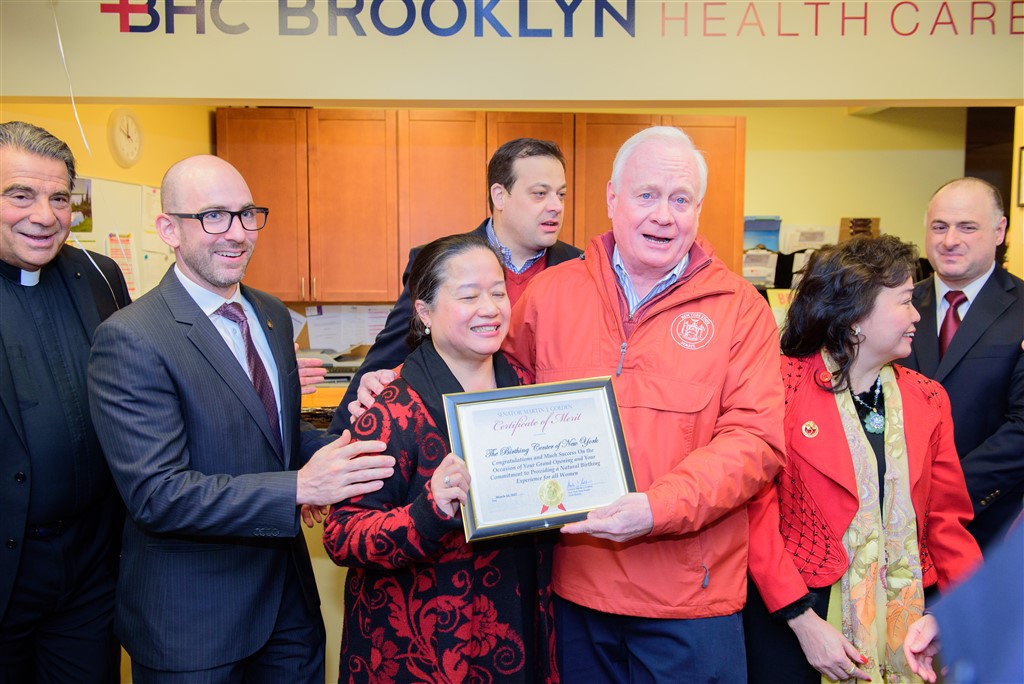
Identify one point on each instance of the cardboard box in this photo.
(852, 227)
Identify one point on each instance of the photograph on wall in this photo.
(81, 206)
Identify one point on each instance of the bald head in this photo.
(971, 184)
(209, 186)
(194, 178)
(965, 226)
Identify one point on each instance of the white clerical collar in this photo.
(17, 276)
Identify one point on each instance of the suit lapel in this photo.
(9, 398)
(281, 348)
(80, 285)
(925, 348)
(992, 301)
(207, 339)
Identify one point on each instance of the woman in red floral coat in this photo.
(422, 605)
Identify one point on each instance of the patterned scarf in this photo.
(881, 593)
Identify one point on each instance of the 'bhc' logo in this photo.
(126, 8)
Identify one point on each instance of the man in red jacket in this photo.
(651, 585)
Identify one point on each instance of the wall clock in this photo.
(124, 136)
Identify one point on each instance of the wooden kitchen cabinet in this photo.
(268, 147)
(352, 191)
(353, 205)
(442, 169)
(330, 180)
(722, 139)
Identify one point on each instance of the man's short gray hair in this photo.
(666, 134)
(18, 135)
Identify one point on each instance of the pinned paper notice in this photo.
(325, 327)
(342, 327)
(121, 248)
(298, 321)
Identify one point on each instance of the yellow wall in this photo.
(169, 133)
(1015, 254)
(813, 166)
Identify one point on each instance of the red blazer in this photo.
(797, 523)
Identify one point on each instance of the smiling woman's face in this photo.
(887, 332)
(469, 317)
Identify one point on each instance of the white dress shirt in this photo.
(232, 334)
(971, 291)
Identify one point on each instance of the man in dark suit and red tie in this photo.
(195, 396)
(969, 339)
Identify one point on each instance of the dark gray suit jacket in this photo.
(389, 349)
(212, 521)
(983, 373)
(94, 299)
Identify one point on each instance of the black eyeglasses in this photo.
(217, 221)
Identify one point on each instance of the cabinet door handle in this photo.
(302, 287)
(314, 289)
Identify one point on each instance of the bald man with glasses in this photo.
(195, 394)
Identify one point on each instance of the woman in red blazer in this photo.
(872, 504)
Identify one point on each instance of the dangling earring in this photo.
(426, 331)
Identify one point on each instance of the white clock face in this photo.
(125, 137)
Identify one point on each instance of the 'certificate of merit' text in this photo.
(538, 456)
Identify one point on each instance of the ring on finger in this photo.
(447, 480)
(852, 669)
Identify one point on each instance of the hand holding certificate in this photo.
(625, 518)
(539, 456)
(449, 483)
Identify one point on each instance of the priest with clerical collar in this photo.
(60, 515)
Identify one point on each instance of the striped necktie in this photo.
(257, 371)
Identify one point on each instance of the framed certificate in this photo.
(539, 456)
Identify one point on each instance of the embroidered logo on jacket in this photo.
(692, 330)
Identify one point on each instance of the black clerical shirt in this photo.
(48, 350)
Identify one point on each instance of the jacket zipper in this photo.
(622, 358)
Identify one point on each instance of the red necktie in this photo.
(952, 320)
(257, 371)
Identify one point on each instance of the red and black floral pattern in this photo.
(422, 605)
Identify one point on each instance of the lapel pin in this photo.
(270, 324)
(810, 429)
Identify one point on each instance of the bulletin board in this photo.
(118, 220)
